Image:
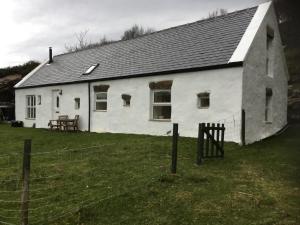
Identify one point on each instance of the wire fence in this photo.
(63, 182)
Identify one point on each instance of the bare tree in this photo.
(83, 43)
(217, 12)
(135, 31)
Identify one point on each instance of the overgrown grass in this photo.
(125, 180)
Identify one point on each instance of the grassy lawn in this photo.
(101, 179)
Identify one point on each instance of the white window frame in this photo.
(100, 100)
(160, 103)
(30, 107)
(91, 69)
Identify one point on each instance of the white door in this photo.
(55, 104)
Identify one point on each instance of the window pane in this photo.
(34, 113)
(101, 105)
(28, 112)
(161, 112)
(162, 96)
(77, 103)
(204, 102)
(126, 102)
(57, 102)
(101, 96)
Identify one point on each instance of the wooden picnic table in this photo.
(64, 123)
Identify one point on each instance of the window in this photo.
(39, 101)
(269, 53)
(101, 101)
(90, 69)
(203, 100)
(77, 103)
(30, 107)
(268, 107)
(161, 104)
(57, 101)
(101, 97)
(126, 100)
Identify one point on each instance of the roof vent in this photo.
(90, 69)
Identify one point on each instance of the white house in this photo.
(206, 71)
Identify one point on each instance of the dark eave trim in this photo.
(220, 66)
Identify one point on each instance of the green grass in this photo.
(126, 180)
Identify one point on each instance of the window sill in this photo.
(160, 120)
(268, 122)
(203, 107)
(30, 118)
(99, 110)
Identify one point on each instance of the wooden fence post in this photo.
(174, 148)
(222, 139)
(200, 143)
(26, 174)
(243, 128)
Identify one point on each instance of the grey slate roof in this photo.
(203, 43)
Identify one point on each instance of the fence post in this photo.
(243, 128)
(174, 148)
(25, 177)
(200, 143)
(222, 139)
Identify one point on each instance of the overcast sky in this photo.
(28, 27)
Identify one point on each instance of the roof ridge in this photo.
(159, 31)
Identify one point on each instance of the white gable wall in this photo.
(256, 81)
(224, 85)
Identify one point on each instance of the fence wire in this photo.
(62, 182)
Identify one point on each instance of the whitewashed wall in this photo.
(224, 85)
(256, 80)
(44, 111)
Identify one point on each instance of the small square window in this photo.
(203, 100)
(126, 100)
(77, 103)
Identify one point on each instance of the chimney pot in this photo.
(50, 55)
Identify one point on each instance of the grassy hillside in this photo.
(89, 178)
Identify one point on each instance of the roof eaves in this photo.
(220, 66)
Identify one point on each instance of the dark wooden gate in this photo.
(210, 141)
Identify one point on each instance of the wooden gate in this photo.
(210, 141)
